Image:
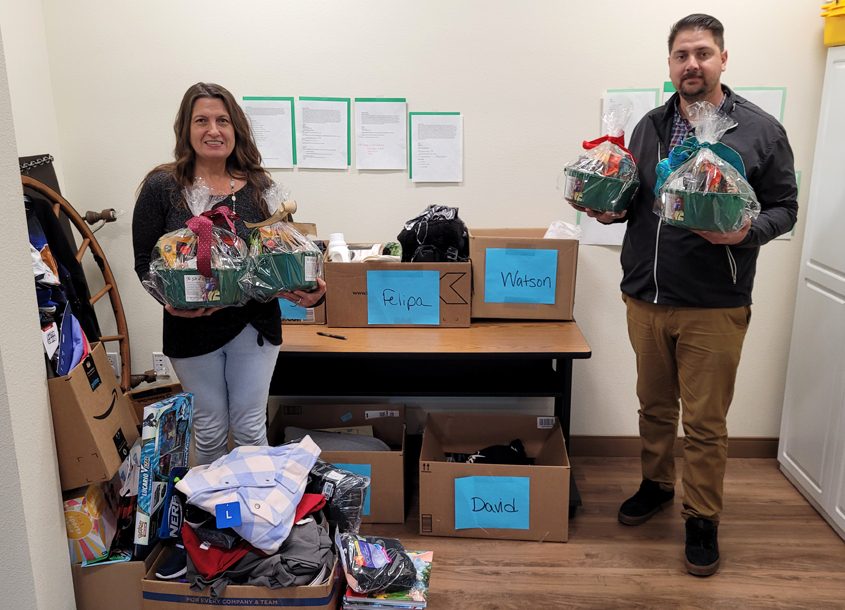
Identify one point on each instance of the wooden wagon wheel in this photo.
(60, 205)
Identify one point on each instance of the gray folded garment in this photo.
(337, 441)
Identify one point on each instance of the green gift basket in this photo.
(189, 289)
(276, 271)
(722, 212)
(600, 193)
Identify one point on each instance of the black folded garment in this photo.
(514, 453)
(344, 492)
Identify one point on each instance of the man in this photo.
(688, 293)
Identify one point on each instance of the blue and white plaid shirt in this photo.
(267, 483)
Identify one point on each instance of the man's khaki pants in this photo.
(691, 354)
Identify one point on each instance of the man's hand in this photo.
(603, 217)
(191, 313)
(727, 239)
(306, 299)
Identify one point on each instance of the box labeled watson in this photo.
(500, 501)
(93, 421)
(385, 499)
(516, 273)
(398, 294)
(172, 595)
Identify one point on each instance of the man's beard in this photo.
(693, 95)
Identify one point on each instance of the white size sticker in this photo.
(50, 336)
(380, 414)
(194, 288)
(545, 423)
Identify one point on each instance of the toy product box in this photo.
(165, 444)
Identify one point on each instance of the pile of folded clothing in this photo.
(260, 516)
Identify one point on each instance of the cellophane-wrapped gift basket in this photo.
(202, 264)
(282, 258)
(702, 184)
(604, 177)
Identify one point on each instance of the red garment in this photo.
(310, 503)
(213, 560)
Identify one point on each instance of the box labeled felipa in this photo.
(501, 501)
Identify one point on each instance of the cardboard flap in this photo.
(469, 432)
(388, 421)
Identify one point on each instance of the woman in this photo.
(224, 356)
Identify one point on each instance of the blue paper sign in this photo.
(403, 297)
(228, 514)
(365, 470)
(292, 311)
(513, 275)
(492, 503)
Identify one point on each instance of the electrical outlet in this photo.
(161, 365)
(114, 361)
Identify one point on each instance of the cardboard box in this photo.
(492, 500)
(113, 585)
(169, 595)
(405, 296)
(148, 394)
(90, 523)
(385, 501)
(294, 314)
(525, 277)
(93, 421)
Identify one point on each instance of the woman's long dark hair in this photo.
(245, 160)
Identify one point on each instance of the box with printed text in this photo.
(476, 498)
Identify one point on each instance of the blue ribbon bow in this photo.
(689, 147)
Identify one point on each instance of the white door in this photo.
(811, 450)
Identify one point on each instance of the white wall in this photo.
(527, 77)
(34, 563)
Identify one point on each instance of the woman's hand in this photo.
(191, 313)
(306, 299)
(603, 217)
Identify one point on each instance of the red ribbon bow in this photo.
(618, 140)
(202, 226)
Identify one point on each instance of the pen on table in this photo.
(322, 334)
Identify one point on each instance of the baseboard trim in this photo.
(629, 446)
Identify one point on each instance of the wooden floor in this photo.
(777, 552)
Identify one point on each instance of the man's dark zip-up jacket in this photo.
(673, 266)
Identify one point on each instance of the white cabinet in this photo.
(812, 436)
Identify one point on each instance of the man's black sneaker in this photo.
(644, 504)
(701, 552)
(175, 565)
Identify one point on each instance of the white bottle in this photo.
(337, 250)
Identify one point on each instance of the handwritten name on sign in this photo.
(403, 297)
(493, 503)
(520, 275)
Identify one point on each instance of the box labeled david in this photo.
(516, 273)
(398, 294)
(384, 501)
(463, 494)
(93, 421)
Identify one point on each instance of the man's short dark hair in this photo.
(699, 21)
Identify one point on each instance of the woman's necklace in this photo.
(234, 197)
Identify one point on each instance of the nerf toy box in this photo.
(165, 443)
